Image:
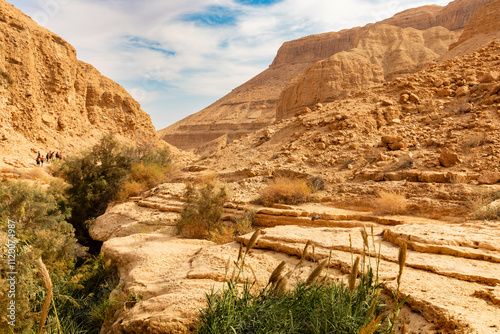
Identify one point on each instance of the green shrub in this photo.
(104, 173)
(203, 212)
(285, 191)
(316, 305)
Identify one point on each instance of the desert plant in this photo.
(142, 176)
(203, 212)
(317, 305)
(100, 174)
(390, 203)
(316, 184)
(285, 191)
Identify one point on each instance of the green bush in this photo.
(316, 305)
(42, 232)
(203, 212)
(100, 174)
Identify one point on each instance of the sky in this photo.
(176, 57)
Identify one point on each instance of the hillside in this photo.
(252, 105)
(425, 131)
(49, 100)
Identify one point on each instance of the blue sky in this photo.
(178, 57)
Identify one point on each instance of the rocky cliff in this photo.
(381, 52)
(484, 22)
(49, 100)
(253, 105)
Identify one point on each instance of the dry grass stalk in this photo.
(401, 260)
(275, 275)
(354, 275)
(316, 272)
(240, 252)
(228, 264)
(403, 329)
(304, 253)
(252, 241)
(47, 283)
(253, 273)
(373, 305)
(372, 326)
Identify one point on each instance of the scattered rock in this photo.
(489, 178)
(448, 158)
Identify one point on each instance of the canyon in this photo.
(49, 100)
(252, 105)
(407, 106)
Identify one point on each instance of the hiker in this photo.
(57, 155)
(41, 160)
(38, 161)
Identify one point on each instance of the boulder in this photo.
(448, 158)
(489, 178)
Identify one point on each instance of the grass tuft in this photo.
(285, 191)
(390, 203)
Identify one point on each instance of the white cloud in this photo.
(160, 58)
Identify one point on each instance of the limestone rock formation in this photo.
(49, 100)
(379, 53)
(252, 105)
(485, 21)
(449, 266)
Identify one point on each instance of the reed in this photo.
(47, 284)
(353, 275)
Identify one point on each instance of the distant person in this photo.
(38, 161)
(58, 156)
(41, 160)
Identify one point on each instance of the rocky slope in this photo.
(379, 53)
(430, 137)
(252, 105)
(49, 100)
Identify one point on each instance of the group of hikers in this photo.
(40, 159)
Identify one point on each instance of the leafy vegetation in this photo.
(48, 221)
(106, 172)
(203, 212)
(80, 291)
(316, 305)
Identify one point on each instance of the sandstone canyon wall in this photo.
(49, 100)
(252, 105)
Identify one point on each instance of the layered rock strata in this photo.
(449, 266)
(252, 105)
(52, 101)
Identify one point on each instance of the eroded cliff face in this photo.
(49, 100)
(252, 105)
(486, 21)
(382, 52)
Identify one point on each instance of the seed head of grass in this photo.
(401, 260)
(275, 275)
(372, 326)
(47, 283)
(240, 252)
(364, 234)
(354, 275)
(316, 272)
(304, 253)
(252, 241)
